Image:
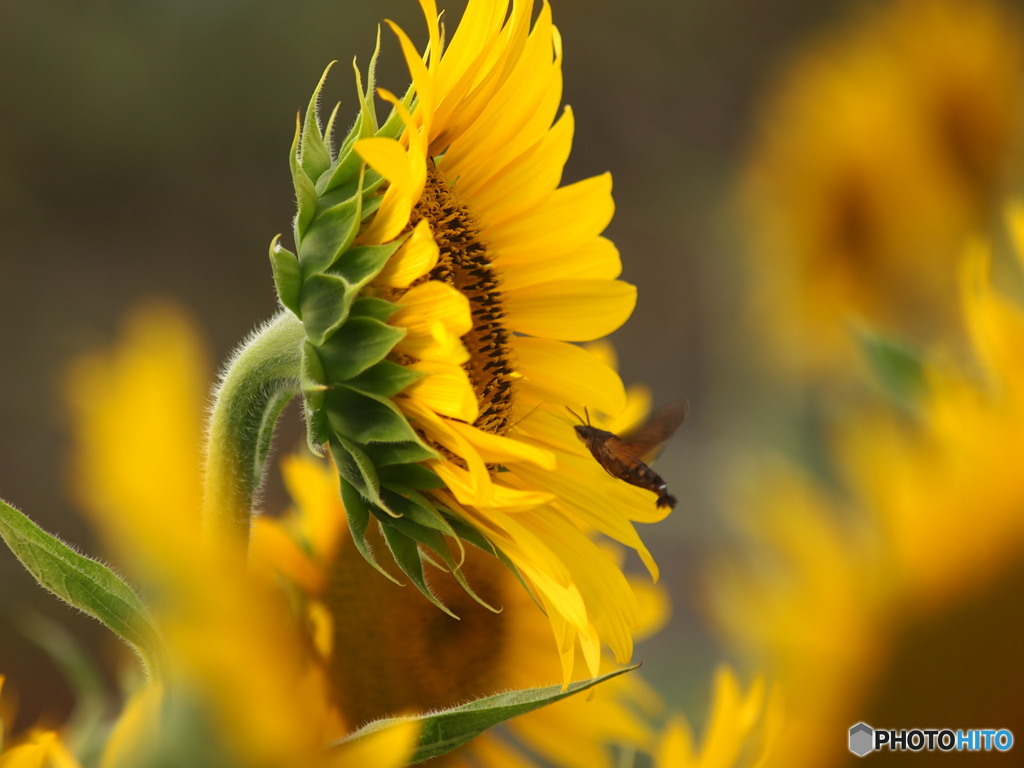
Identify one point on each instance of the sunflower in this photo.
(387, 650)
(882, 145)
(865, 600)
(37, 748)
(741, 728)
(471, 275)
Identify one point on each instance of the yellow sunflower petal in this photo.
(676, 749)
(387, 157)
(138, 725)
(570, 310)
(525, 181)
(474, 37)
(435, 316)
(491, 752)
(518, 114)
(406, 172)
(496, 449)
(445, 390)
(42, 749)
(489, 496)
(556, 372)
(274, 548)
(1015, 222)
(417, 256)
(598, 259)
(568, 218)
(389, 747)
(421, 80)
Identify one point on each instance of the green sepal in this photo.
(324, 306)
(371, 202)
(385, 454)
(312, 378)
(349, 162)
(328, 133)
(415, 476)
(318, 432)
(899, 368)
(358, 513)
(415, 509)
(356, 470)
(421, 522)
(366, 418)
(83, 583)
(406, 553)
(305, 189)
(355, 346)
(314, 155)
(359, 265)
(432, 524)
(471, 535)
(287, 275)
(373, 307)
(448, 729)
(330, 233)
(385, 378)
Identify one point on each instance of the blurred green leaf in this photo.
(899, 368)
(82, 582)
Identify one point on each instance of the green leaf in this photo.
(82, 582)
(355, 346)
(900, 369)
(287, 275)
(329, 235)
(366, 418)
(449, 729)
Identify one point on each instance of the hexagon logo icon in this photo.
(862, 739)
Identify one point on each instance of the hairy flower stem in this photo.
(260, 379)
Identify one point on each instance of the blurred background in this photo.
(143, 153)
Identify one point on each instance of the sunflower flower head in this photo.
(408, 656)
(440, 275)
(885, 143)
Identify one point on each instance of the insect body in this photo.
(623, 457)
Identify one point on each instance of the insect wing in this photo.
(646, 442)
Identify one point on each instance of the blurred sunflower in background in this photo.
(884, 595)
(880, 148)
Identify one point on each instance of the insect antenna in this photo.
(578, 417)
(525, 416)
